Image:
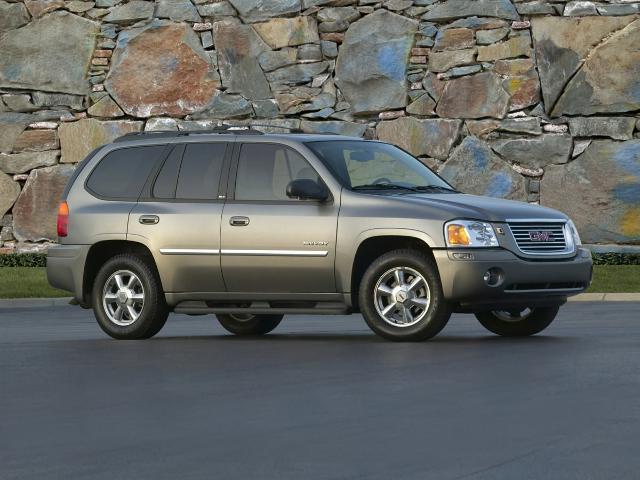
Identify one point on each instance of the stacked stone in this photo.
(530, 100)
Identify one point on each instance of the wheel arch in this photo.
(373, 243)
(102, 251)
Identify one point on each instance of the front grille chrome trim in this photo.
(561, 243)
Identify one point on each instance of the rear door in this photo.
(179, 217)
(114, 184)
(272, 243)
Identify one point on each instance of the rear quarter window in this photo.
(76, 173)
(122, 173)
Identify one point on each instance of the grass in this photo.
(31, 282)
(615, 278)
(26, 282)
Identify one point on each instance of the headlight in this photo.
(574, 232)
(470, 233)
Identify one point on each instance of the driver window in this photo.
(376, 166)
(265, 170)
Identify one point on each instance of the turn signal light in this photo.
(457, 234)
(63, 219)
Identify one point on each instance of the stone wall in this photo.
(532, 100)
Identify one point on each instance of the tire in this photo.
(152, 311)
(518, 324)
(380, 290)
(249, 325)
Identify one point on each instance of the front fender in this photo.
(346, 252)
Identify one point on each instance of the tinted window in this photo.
(359, 164)
(77, 172)
(122, 173)
(264, 171)
(165, 186)
(200, 171)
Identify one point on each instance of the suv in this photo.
(252, 226)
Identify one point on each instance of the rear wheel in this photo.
(128, 301)
(249, 324)
(518, 322)
(401, 297)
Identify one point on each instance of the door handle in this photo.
(239, 221)
(148, 219)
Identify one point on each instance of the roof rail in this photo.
(283, 127)
(228, 130)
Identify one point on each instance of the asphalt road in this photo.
(321, 397)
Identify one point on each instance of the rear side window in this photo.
(121, 174)
(199, 177)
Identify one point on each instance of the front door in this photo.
(272, 243)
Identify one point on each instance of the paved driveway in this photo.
(321, 397)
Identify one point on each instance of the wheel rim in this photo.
(512, 315)
(402, 296)
(242, 317)
(123, 298)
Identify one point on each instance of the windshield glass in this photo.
(363, 165)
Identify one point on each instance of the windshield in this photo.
(361, 165)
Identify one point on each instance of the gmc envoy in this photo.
(252, 226)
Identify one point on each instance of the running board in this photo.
(263, 308)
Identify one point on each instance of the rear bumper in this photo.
(522, 283)
(65, 267)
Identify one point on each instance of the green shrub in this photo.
(612, 258)
(23, 260)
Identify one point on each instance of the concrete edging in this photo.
(606, 297)
(33, 302)
(56, 302)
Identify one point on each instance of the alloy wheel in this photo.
(123, 298)
(512, 315)
(402, 296)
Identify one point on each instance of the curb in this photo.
(57, 302)
(606, 297)
(34, 302)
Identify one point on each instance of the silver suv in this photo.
(252, 226)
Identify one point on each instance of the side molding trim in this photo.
(252, 253)
(189, 251)
(277, 253)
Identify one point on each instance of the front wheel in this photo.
(518, 322)
(249, 324)
(401, 297)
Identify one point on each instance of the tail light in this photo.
(63, 219)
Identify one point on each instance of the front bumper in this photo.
(522, 282)
(65, 267)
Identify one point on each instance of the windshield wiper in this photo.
(395, 186)
(438, 188)
(382, 186)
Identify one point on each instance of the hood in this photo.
(461, 205)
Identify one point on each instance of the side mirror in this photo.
(306, 189)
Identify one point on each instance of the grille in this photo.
(541, 238)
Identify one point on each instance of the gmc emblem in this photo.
(541, 236)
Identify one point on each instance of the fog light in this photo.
(463, 255)
(493, 277)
